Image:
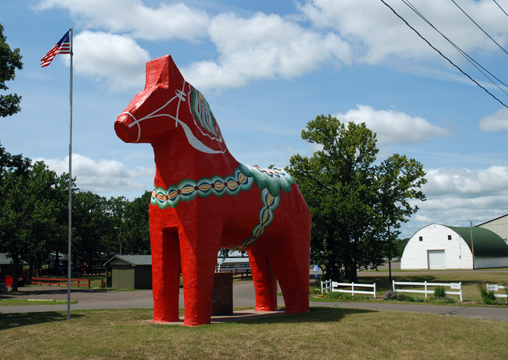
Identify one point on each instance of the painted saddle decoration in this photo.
(203, 199)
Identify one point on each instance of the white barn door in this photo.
(437, 259)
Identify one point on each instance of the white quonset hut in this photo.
(446, 247)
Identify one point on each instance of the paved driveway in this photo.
(243, 295)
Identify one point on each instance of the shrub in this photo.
(450, 300)
(390, 295)
(487, 297)
(440, 292)
(505, 284)
(401, 297)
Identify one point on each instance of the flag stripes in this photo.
(61, 47)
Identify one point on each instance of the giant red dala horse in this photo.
(203, 199)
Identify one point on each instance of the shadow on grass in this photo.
(316, 315)
(9, 321)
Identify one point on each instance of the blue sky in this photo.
(266, 69)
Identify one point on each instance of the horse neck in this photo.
(175, 162)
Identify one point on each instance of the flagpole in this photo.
(70, 193)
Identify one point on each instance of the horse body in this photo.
(203, 199)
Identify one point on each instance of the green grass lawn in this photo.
(324, 333)
(15, 302)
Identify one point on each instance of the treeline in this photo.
(34, 217)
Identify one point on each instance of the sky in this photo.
(267, 68)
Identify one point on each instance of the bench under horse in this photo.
(203, 199)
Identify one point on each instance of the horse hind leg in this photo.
(265, 282)
(290, 261)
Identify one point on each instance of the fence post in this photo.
(321, 287)
(393, 285)
(352, 289)
(374, 290)
(88, 282)
(426, 289)
(460, 284)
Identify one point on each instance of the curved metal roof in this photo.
(486, 243)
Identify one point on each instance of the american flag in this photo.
(61, 47)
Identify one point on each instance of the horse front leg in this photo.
(166, 270)
(199, 251)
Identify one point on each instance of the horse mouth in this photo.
(123, 131)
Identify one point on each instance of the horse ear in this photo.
(161, 71)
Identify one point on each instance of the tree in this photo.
(15, 163)
(400, 245)
(9, 61)
(92, 226)
(398, 179)
(354, 203)
(136, 231)
(28, 214)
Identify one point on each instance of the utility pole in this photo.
(472, 243)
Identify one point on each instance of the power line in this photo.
(479, 27)
(500, 7)
(463, 53)
(439, 52)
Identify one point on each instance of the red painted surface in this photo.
(186, 238)
(21, 280)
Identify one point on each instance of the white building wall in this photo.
(486, 263)
(498, 226)
(435, 237)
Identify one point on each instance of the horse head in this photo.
(167, 103)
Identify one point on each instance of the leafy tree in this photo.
(135, 233)
(28, 213)
(15, 163)
(400, 245)
(398, 179)
(9, 61)
(117, 208)
(355, 204)
(92, 226)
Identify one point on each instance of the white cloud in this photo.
(116, 58)
(261, 47)
(103, 176)
(464, 183)
(175, 20)
(456, 196)
(495, 122)
(271, 46)
(393, 127)
(375, 33)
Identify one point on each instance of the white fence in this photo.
(333, 286)
(426, 291)
(496, 287)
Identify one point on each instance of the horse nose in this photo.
(123, 131)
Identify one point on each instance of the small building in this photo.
(446, 247)
(129, 272)
(498, 225)
(6, 266)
